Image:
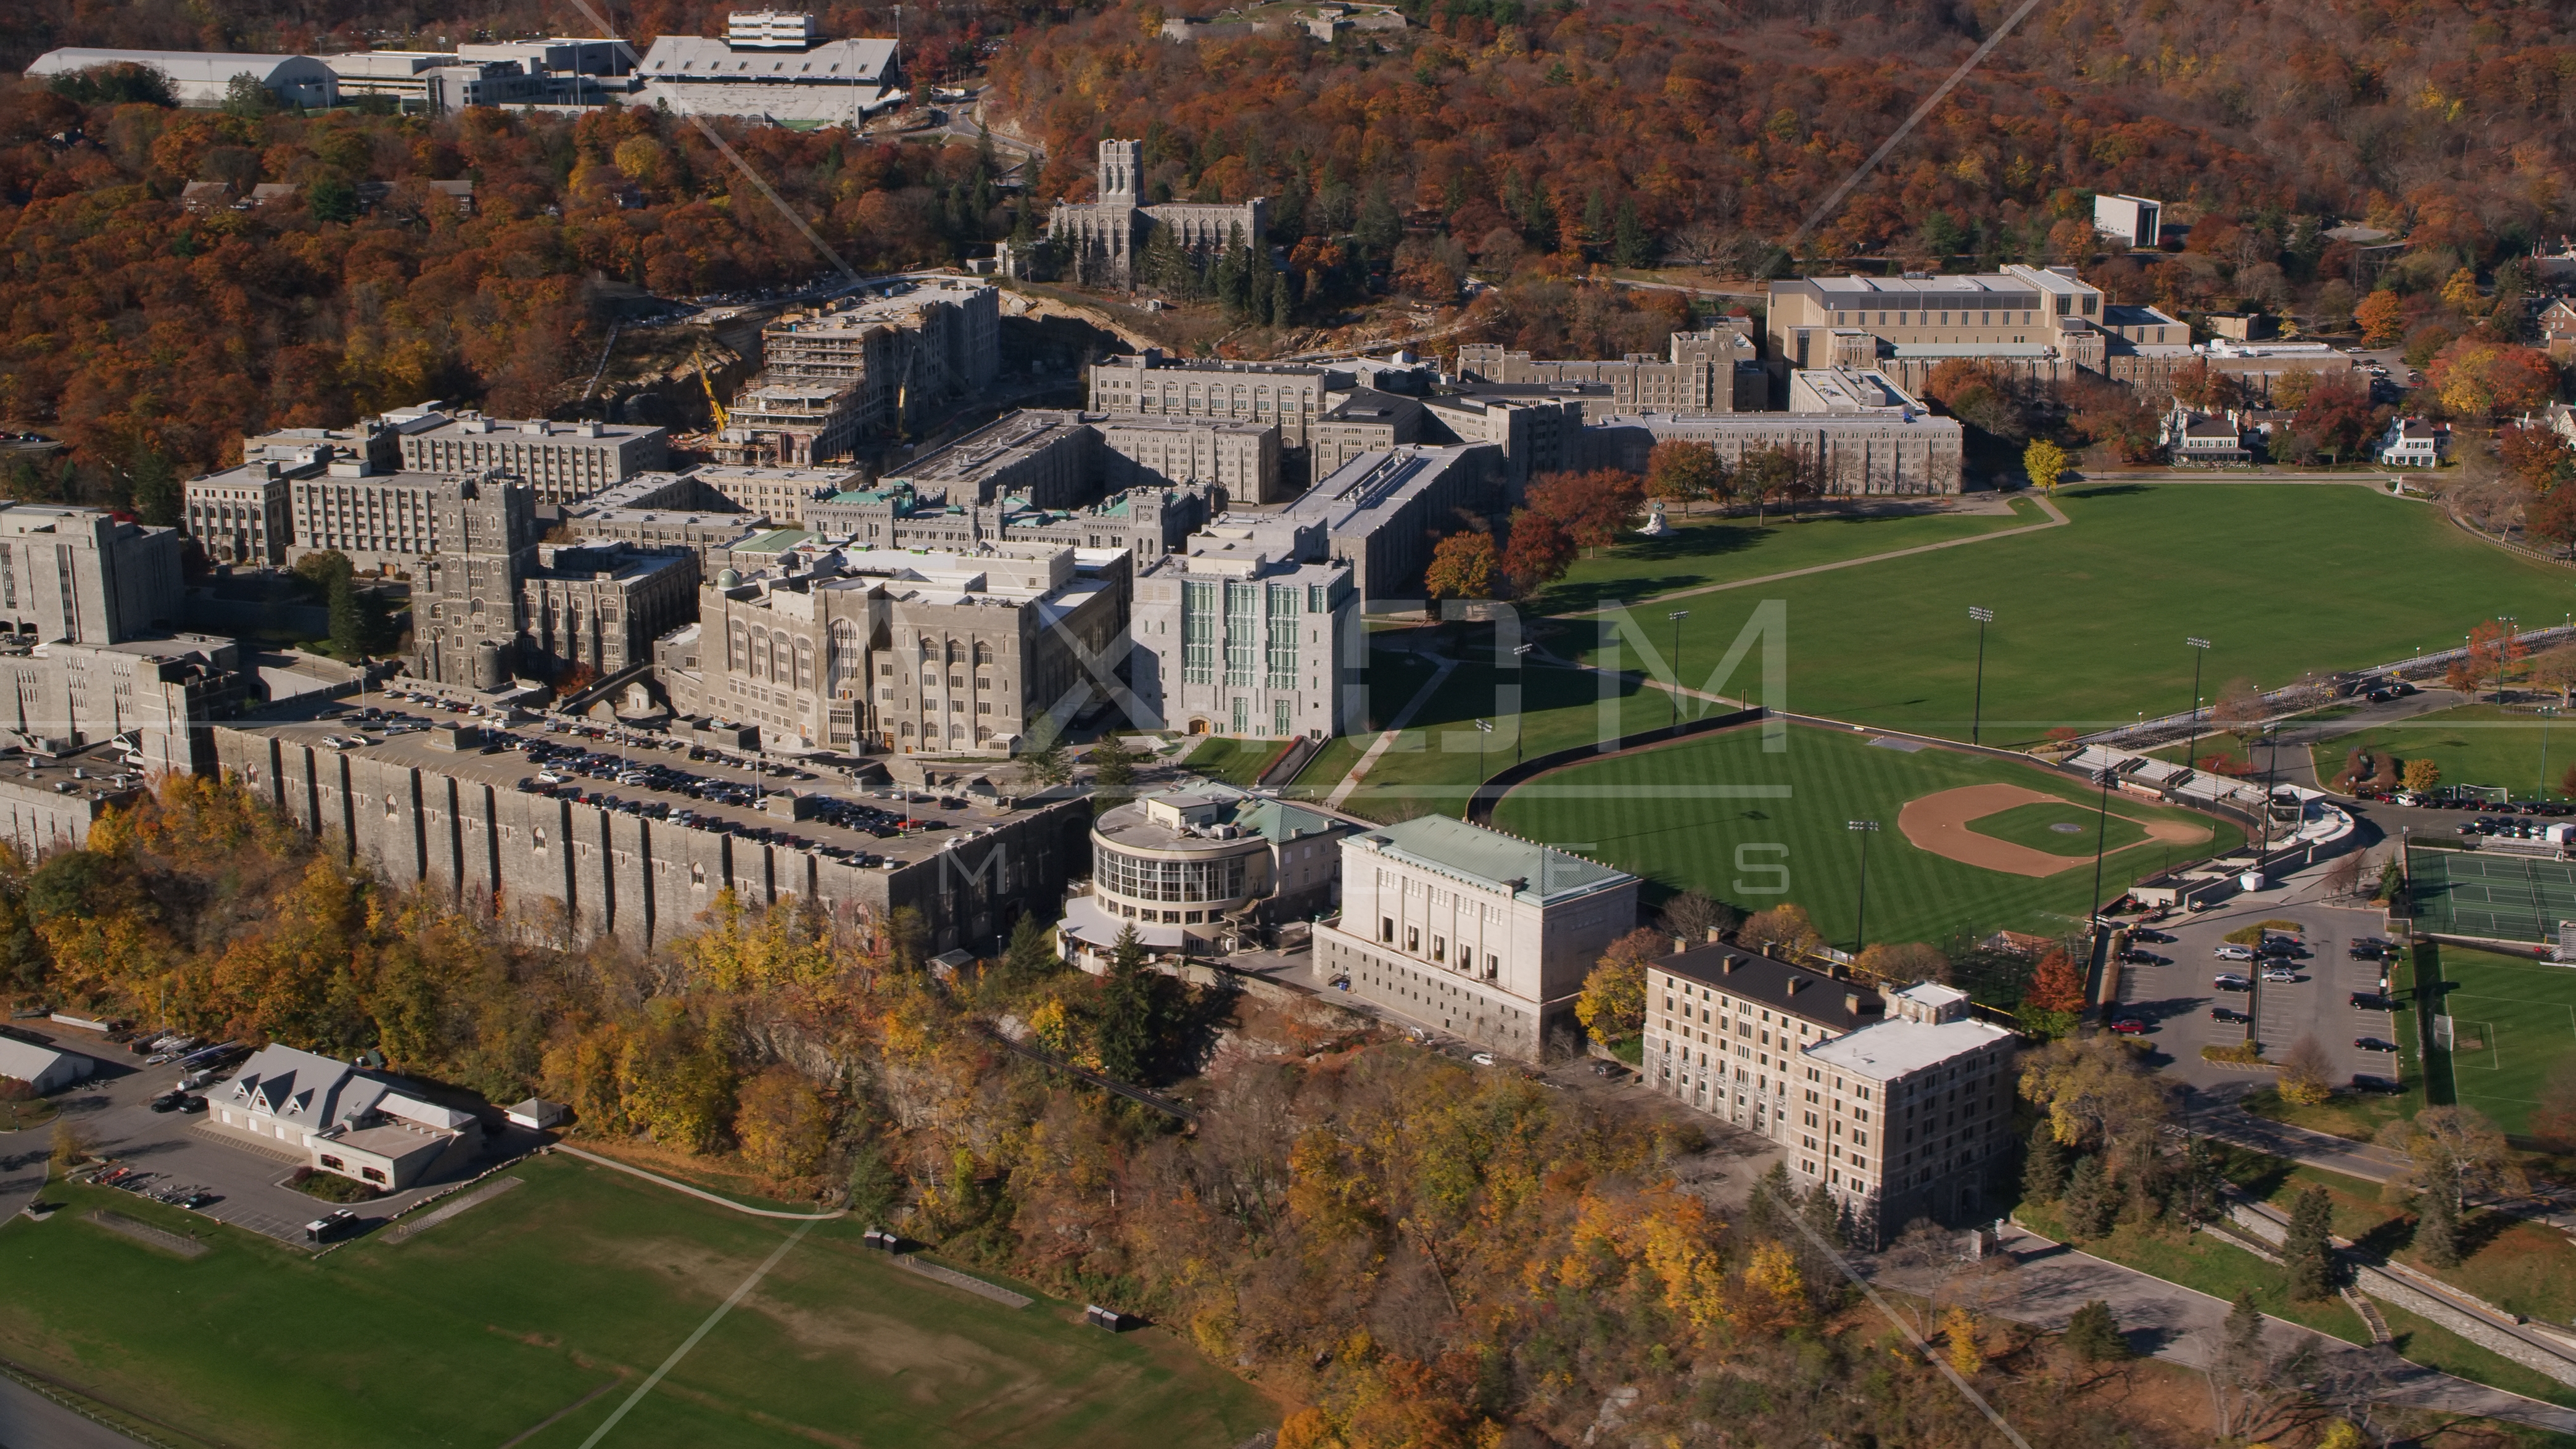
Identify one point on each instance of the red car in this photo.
(2129, 1026)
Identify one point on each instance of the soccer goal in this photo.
(2442, 1032)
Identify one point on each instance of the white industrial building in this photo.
(203, 77)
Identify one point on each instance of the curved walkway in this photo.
(2056, 519)
(699, 1192)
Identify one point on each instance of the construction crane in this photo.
(699, 361)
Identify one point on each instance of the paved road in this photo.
(2182, 1325)
(29, 1420)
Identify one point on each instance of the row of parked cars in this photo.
(158, 1186)
(561, 765)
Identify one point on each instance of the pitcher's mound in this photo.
(1939, 823)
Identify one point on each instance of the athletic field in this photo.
(2512, 1024)
(1965, 842)
(2490, 895)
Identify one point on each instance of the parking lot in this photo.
(168, 1150)
(2174, 1000)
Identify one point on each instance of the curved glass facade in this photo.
(1146, 878)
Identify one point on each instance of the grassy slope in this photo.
(487, 1324)
(2476, 744)
(1649, 818)
(2091, 617)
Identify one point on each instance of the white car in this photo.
(2233, 952)
(2279, 973)
(1483, 1059)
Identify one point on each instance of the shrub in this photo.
(2248, 1052)
(13, 1089)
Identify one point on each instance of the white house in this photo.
(2415, 443)
(1481, 934)
(42, 1068)
(2132, 221)
(343, 1120)
(2195, 437)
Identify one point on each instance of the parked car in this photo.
(2129, 1026)
(2372, 1001)
(1483, 1059)
(330, 1225)
(2373, 1044)
(2227, 1013)
(2151, 938)
(2230, 951)
(168, 1101)
(191, 1104)
(2136, 957)
(2279, 973)
(2230, 981)
(2377, 1086)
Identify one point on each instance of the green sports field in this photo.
(2476, 744)
(2091, 618)
(1724, 815)
(2069, 829)
(2513, 1025)
(1707, 549)
(579, 1281)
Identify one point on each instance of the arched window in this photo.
(780, 669)
(983, 655)
(846, 663)
(759, 653)
(804, 664)
(737, 657)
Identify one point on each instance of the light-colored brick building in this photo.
(562, 462)
(84, 575)
(1714, 371)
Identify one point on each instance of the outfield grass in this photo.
(1436, 763)
(1718, 812)
(2475, 744)
(2034, 825)
(1707, 549)
(483, 1326)
(2091, 617)
(1237, 762)
(2515, 1023)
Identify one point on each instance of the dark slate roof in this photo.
(1807, 995)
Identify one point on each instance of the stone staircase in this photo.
(2369, 1312)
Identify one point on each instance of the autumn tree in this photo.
(2381, 317)
(783, 1123)
(2045, 463)
(2096, 1095)
(1691, 916)
(1905, 961)
(2537, 457)
(2303, 1079)
(1683, 472)
(1612, 1006)
(1536, 552)
(2455, 1153)
(2478, 379)
(2058, 984)
(1783, 925)
(1462, 567)
(1591, 507)
(2421, 775)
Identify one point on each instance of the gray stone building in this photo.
(1049, 458)
(48, 805)
(153, 699)
(1715, 371)
(884, 358)
(1240, 458)
(1363, 420)
(1146, 522)
(781, 494)
(243, 515)
(2035, 324)
(1291, 395)
(1382, 511)
(84, 575)
(1187, 869)
(1104, 239)
(563, 462)
(1246, 632)
(494, 604)
(563, 871)
(904, 651)
(1535, 435)
(709, 535)
(1866, 435)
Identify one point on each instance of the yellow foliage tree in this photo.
(1613, 1004)
(783, 1123)
(2421, 775)
(1960, 1327)
(1775, 1288)
(2382, 319)
(787, 945)
(2045, 462)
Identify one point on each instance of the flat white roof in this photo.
(1893, 1049)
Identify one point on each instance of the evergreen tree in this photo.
(156, 487)
(1126, 1010)
(2092, 1200)
(2309, 1249)
(2093, 1335)
(1281, 311)
(2043, 1169)
(348, 623)
(2198, 1181)
(1379, 228)
(1768, 1203)
(1596, 220)
(1032, 949)
(2241, 1340)
(1823, 1215)
(1231, 277)
(1631, 245)
(25, 484)
(2437, 1228)
(1113, 775)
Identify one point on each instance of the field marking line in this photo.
(2056, 519)
(1386, 738)
(550, 1420)
(701, 1331)
(697, 1192)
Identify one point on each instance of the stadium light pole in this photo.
(1521, 652)
(2548, 712)
(2200, 652)
(2101, 837)
(2504, 652)
(1677, 616)
(1977, 717)
(1860, 924)
(1484, 732)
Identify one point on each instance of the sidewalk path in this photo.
(1386, 739)
(2056, 519)
(677, 1185)
(29, 1420)
(2181, 1325)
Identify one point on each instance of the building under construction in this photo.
(879, 362)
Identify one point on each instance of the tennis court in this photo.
(2501, 1029)
(2494, 897)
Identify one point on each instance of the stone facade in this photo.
(1237, 636)
(1103, 238)
(779, 494)
(1702, 375)
(241, 515)
(1049, 458)
(562, 462)
(1481, 934)
(84, 575)
(1291, 395)
(45, 808)
(157, 695)
(1859, 454)
(1240, 458)
(887, 357)
(2035, 324)
(569, 872)
(1146, 522)
(496, 604)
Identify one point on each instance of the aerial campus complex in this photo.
(1083, 759)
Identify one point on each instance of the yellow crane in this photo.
(699, 361)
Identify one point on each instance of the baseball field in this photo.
(1964, 842)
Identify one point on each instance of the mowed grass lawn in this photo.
(2514, 1023)
(1708, 549)
(2090, 618)
(2475, 744)
(2061, 829)
(1720, 813)
(483, 1326)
